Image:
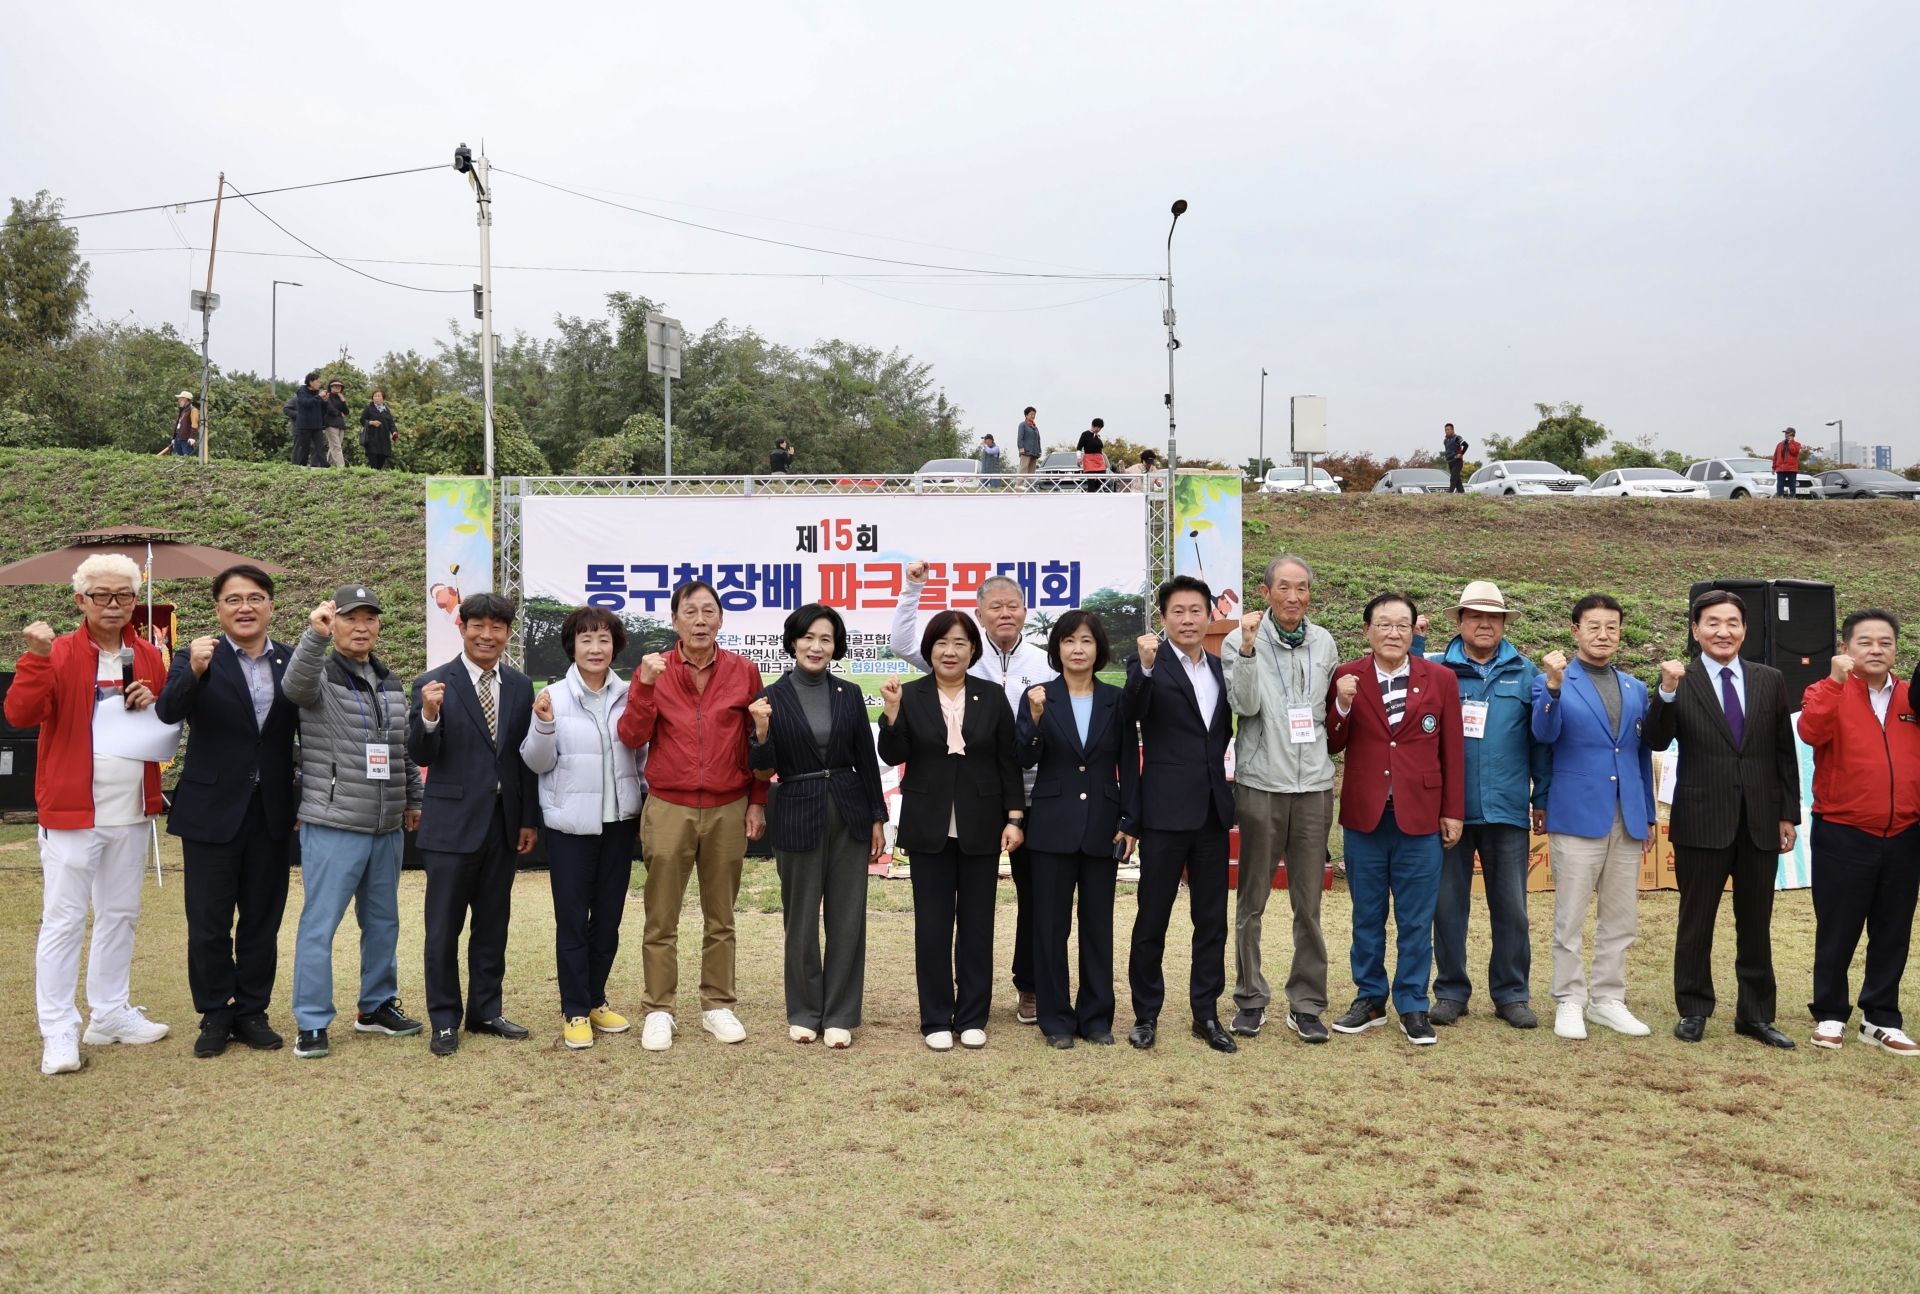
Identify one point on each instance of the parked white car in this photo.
(1293, 480)
(1521, 476)
(1741, 478)
(943, 472)
(1647, 483)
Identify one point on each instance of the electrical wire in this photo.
(987, 310)
(196, 202)
(246, 198)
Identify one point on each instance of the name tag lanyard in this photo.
(1299, 717)
(379, 754)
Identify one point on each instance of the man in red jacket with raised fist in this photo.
(1786, 466)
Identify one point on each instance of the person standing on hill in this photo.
(334, 423)
(780, 461)
(1786, 465)
(1026, 441)
(377, 432)
(1455, 447)
(309, 423)
(1093, 455)
(186, 427)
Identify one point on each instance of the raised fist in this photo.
(916, 572)
(890, 697)
(1149, 647)
(322, 619)
(431, 695)
(1842, 666)
(1036, 701)
(202, 652)
(1249, 631)
(542, 706)
(762, 711)
(1556, 665)
(1671, 672)
(39, 636)
(652, 666)
(1345, 689)
(1420, 624)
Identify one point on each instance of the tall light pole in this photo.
(475, 169)
(1260, 471)
(208, 304)
(1173, 344)
(1840, 450)
(273, 362)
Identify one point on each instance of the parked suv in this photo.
(1741, 478)
(1522, 476)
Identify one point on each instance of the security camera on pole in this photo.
(664, 338)
(475, 169)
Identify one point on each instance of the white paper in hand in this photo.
(133, 734)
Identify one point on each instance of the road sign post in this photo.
(664, 338)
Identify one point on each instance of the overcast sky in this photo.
(1696, 220)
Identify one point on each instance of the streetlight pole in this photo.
(1840, 450)
(273, 362)
(1173, 344)
(1260, 470)
(475, 169)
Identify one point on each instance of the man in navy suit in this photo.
(233, 809)
(482, 807)
(1186, 809)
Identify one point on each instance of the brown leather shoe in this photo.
(1027, 1009)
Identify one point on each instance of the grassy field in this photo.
(1496, 1161)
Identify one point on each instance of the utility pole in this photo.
(207, 303)
(273, 362)
(1173, 344)
(1260, 473)
(475, 169)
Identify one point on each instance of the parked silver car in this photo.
(1411, 480)
(1522, 476)
(1741, 478)
(1647, 483)
(1864, 483)
(948, 473)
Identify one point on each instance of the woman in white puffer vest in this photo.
(590, 791)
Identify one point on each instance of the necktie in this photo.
(487, 706)
(1736, 717)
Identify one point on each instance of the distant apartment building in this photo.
(1880, 456)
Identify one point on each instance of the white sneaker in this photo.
(129, 1024)
(1830, 1034)
(657, 1033)
(1567, 1021)
(974, 1038)
(839, 1039)
(61, 1054)
(1888, 1040)
(1615, 1016)
(941, 1040)
(800, 1033)
(724, 1025)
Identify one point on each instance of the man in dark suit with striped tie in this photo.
(1736, 804)
(482, 808)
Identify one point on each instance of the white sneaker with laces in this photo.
(973, 1038)
(1615, 1016)
(61, 1053)
(800, 1033)
(839, 1039)
(657, 1033)
(940, 1040)
(1830, 1034)
(1567, 1021)
(129, 1025)
(1892, 1041)
(724, 1025)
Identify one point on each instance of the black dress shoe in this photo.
(445, 1041)
(500, 1027)
(1100, 1038)
(1765, 1033)
(1247, 1024)
(1142, 1034)
(1445, 1011)
(257, 1033)
(1518, 1014)
(1692, 1028)
(1214, 1036)
(1060, 1041)
(213, 1038)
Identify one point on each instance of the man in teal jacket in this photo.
(1507, 777)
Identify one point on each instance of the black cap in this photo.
(350, 597)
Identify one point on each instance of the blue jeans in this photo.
(1786, 485)
(337, 866)
(1503, 866)
(1383, 863)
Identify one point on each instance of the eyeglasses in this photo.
(245, 600)
(112, 599)
(1393, 626)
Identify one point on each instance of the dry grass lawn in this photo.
(1497, 1160)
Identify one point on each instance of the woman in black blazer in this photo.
(826, 824)
(1080, 827)
(962, 803)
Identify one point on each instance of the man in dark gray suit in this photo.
(1736, 803)
(482, 807)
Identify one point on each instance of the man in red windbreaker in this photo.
(1786, 466)
(689, 707)
(94, 809)
(1866, 832)
(1402, 802)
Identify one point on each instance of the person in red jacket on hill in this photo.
(1786, 466)
(1866, 832)
(94, 809)
(689, 707)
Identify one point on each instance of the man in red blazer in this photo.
(1397, 716)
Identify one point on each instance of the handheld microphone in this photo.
(126, 676)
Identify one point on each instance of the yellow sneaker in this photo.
(608, 1020)
(578, 1034)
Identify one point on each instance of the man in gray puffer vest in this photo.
(359, 791)
(1278, 669)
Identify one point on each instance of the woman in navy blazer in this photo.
(827, 823)
(1080, 826)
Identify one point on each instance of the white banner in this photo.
(767, 555)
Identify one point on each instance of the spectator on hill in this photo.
(1455, 447)
(334, 421)
(1786, 465)
(989, 457)
(1026, 441)
(1139, 471)
(781, 459)
(186, 427)
(94, 809)
(377, 430)
(1093, 455)
(309, 423)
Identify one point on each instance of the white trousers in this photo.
(1606, 869)
(104, 867)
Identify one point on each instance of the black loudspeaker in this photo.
(1801, 626)
(19, 751)
(1754, 594)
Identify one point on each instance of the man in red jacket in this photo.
(689, 706)
(94, 808)
(1866, 832)
(1786, 466)
(1402, 802)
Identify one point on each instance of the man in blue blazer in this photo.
(482, 807)
(233, 809)
(1600, 815)
(1186, 809)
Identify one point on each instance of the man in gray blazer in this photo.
(1736, 804)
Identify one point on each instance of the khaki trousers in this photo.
(336, 453)
(677, 842)
(1276, 824)
(1583, 867)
